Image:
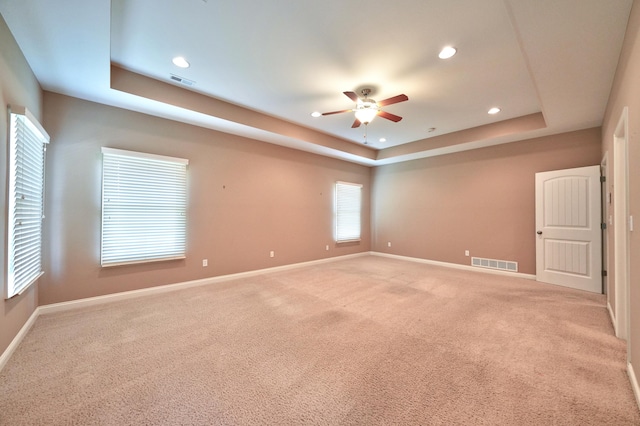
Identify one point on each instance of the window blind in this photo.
(144, 202)
(348, 214)
(25, 204)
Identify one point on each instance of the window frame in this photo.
(162, 194)
(346, 215)
(26, 152)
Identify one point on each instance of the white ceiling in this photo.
(288, 58)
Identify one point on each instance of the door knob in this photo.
(539, 232)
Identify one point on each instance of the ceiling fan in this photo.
(366, 108)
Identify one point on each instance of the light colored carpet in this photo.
(363, 341)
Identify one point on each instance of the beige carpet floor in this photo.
(362, 341)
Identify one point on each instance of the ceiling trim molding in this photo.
(139, 85)
(485, 132)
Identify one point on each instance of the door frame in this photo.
(606, 223)
(621, 225)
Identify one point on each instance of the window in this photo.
(25, 204)
(144, 201)
(348, 201)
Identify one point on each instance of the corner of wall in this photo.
(18, 85)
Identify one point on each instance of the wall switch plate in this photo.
(272, 253)
(389, 244)
(326, 247)
(205, 262)
(466, 253)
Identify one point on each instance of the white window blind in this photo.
(348, 206)
(144, 202)
(25, 204)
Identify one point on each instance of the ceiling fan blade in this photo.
(394, 100)
(337, 112)
(356, 124)
(352, 96)
(389, 116)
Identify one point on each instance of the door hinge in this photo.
(603, 225)
(603, 179)
(604, 273)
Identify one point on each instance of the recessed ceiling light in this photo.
(181, 62)
(383, 139)
(494, 110)
(316, 114)
(447, 52)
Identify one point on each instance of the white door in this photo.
(568, 240)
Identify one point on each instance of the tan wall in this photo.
(481, 200)
(246, 198)
(626, 93)
(18, 86)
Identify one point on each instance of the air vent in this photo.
(503, 265)
(182, 80)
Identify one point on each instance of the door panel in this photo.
(568, 248)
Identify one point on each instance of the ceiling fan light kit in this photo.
(366, 108)
(366, 111)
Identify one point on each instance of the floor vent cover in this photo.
(503, 265)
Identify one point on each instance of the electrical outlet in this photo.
(326, 247)
(466, 253)
(389, 244)
(205, 262)
(272, 253)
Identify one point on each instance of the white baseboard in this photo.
(91, 301)
(613, 319)
(455, 265)
(634, 383)
(16, 340)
